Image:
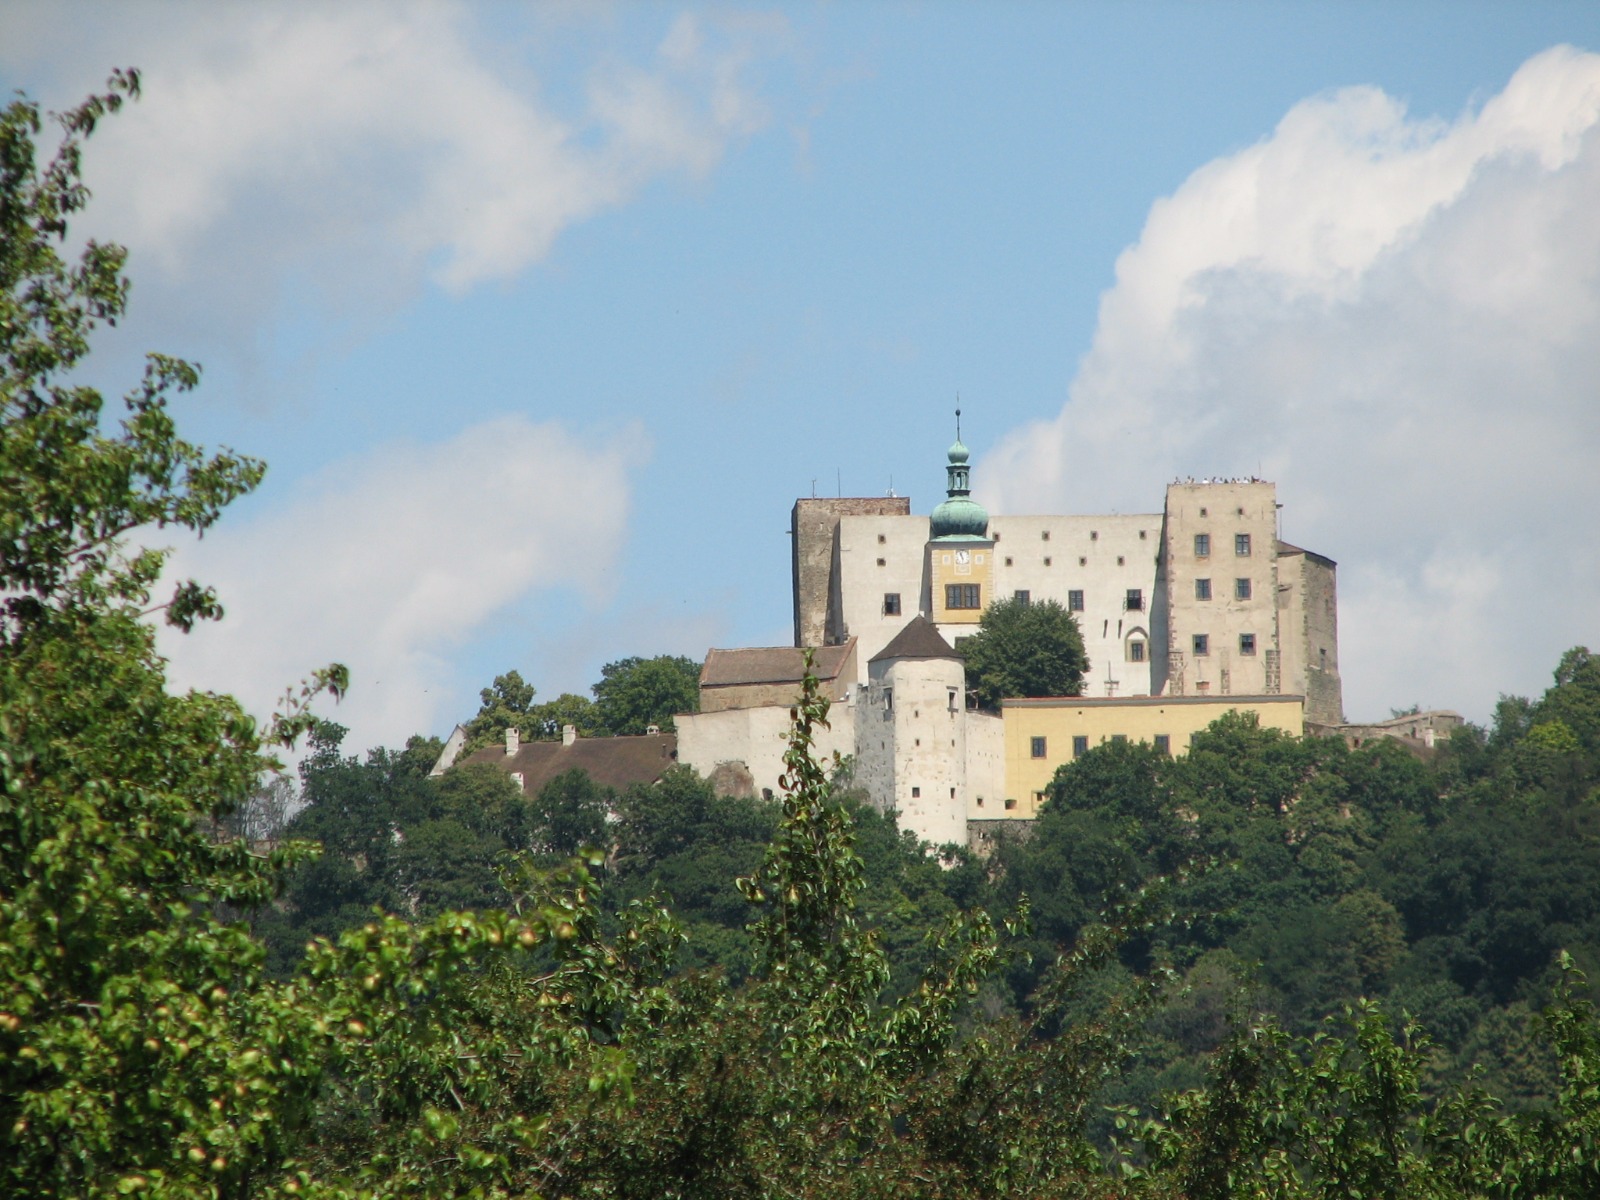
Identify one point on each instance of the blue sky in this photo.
(544, 315)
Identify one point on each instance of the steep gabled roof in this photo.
(771, 664)
(919, 639)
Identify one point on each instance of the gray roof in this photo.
(771, 664)
(919, 639)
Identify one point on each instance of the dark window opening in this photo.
(1163, 744)
(1075, 600)
(1080, 746)
(962, 595)
(1241, 544)
(1202, 543)
(1036, 747)
(891, 604)
(1247, 643)
(1202, 645)
(1241, 589)
(1134, 601)
(1202, 589)
(1022, 598)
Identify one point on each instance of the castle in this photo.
(1186, 613)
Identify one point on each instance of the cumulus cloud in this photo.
(391, 562)
(1398, 319)
(367, 147)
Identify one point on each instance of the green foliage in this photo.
(1024, 649)
(635, 693)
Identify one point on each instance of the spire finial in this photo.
(958, 416)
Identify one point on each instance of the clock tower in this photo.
(960, 551)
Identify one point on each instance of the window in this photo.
(1163, 744)
(1044, 536)
(1202, 645)
(1202, 589)
(1094, 535)
(953, 705)
(1022, 598)
(962, 595)
(880, 562)
(882, 539)
(916, 793)
(1083, 562)
(891, 604)
(1080, 746)
(1141, 535)
(1047, 561)
(1202, 545)
(1202, 512)
(1135, 650)
(1241, 545)
(1075, 600)
(1008, 560)
(1134, 601)
(1011, 802)
(1120, 560)
(952, 793)
(1247, 643)
(888, 699)
(1036, 747)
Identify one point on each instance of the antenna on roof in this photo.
(891, 485)
(838, 481)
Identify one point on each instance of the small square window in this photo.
(1163, 744)
(1136, 650)
(1203, 512)
(1141, 535)
(916, 793)
(1080, 746)
(1134, 602)
(1075, 600)
(1036, 747)
(1247, 643)
(1120, 560)
(1241, 544)
(882, 539)
(880, 562)
(1044, 536)
(1010, 802)
(1241, 511)
(1202, 589)
(1083, 562)
(1202, 645)
(1202, 544)
(1008, 560)
(1047, 562)
(1241, 589)
(891, 604)
(1094, 535)
(1022, 598)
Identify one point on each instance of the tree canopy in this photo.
(1024, 649)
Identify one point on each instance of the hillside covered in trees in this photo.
(1189, 982)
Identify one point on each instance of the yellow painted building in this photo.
(1042, 734)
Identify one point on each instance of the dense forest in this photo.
(1193, 979)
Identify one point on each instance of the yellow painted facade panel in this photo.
(1031, 764)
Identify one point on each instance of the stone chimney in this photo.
(513, 740)
(569, 734)
(652, 730)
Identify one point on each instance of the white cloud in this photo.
(391, 562)
(365, 147)
(1399, 321)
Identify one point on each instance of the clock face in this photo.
(962, 556)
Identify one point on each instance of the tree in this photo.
(635, 693)
(505, 703)
(1025, 649)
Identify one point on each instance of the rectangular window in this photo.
(891, 604)
(953, 706)
(1075, 600)
(888, 699)
(1135, 600)
(1241, 589)
(916, 793)
(1036, 747)
(1163, 744)
(1202, 645)
(1080, 746)
(1021, 597)
(1202, 545)
(1247, 643)
(1011, 802)
(1202, 589)
(961, 595)
(1241, 545)
(1136, 650)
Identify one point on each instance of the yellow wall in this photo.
(1138, 718)
(944, 568)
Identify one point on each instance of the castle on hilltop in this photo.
(1186, 613)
